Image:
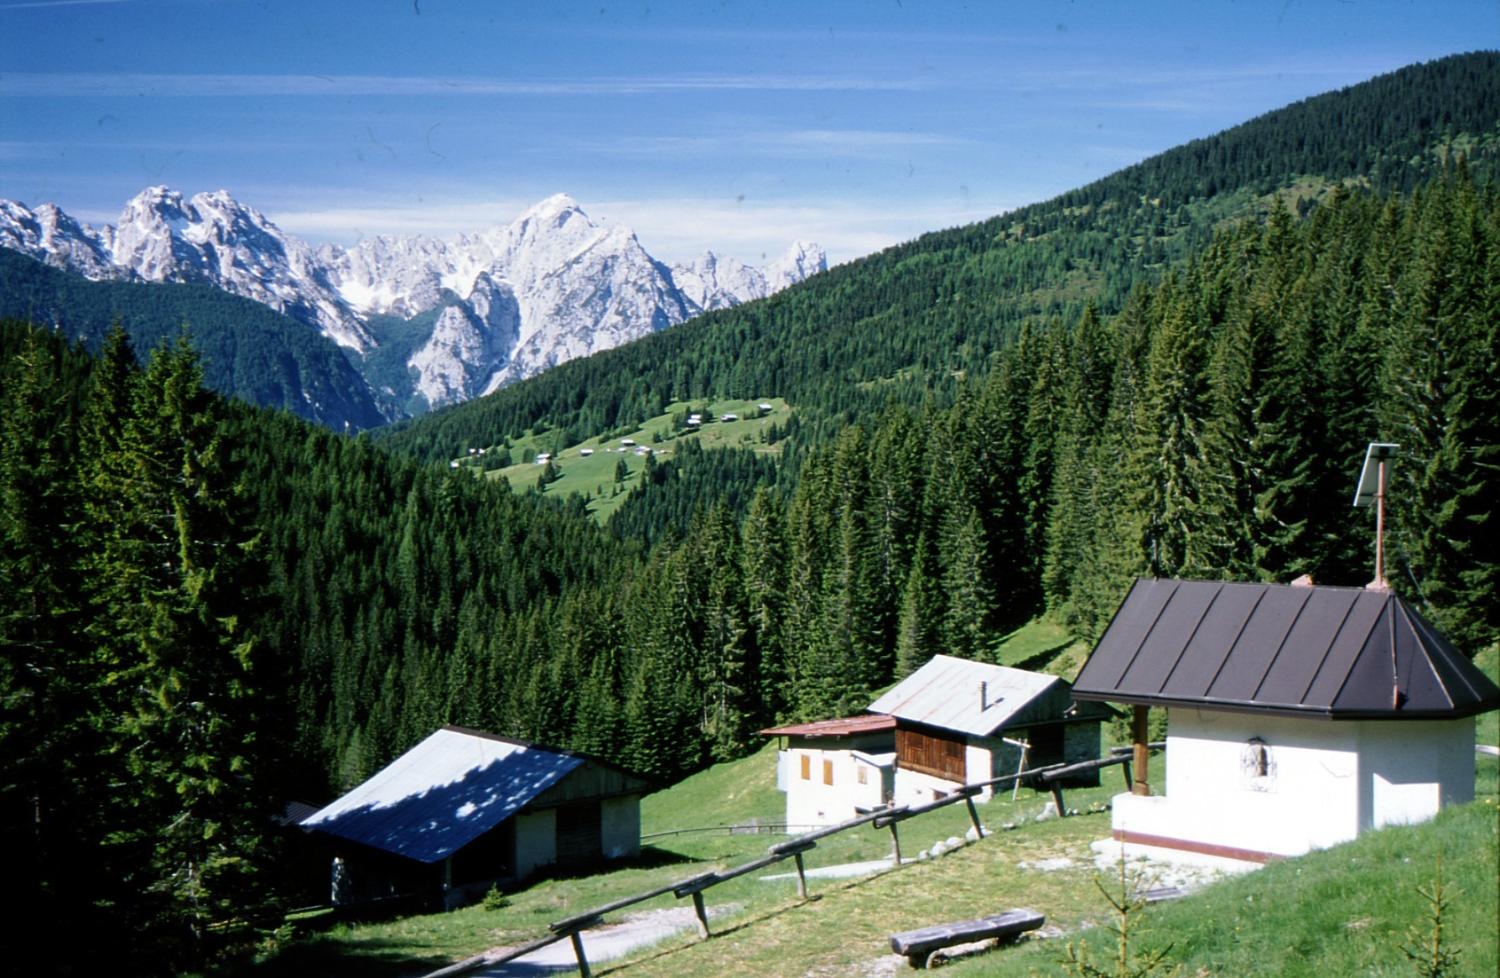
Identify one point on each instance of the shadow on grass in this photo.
(1037, 660)
(329, 959)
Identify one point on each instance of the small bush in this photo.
(495, 900)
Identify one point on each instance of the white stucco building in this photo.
(835, 770)
(1298, 716)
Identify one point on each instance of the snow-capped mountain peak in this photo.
(511, 301)
(216, 240)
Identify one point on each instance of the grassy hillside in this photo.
(1343, 911)
(590, 468)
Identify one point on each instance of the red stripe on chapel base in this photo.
(1202, 848)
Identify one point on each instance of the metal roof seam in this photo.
(1239, 633)
(1395, 672)
(1425, 629)
(1365, 641)
(1421, 636)
(1313, 681)
(1191, 635)
(1281, 645)
(1156, 620)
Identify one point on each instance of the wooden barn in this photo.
(1298, 716)
(961, 722)
(464, 810)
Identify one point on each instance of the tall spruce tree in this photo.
(1441, 394)
(174, 576)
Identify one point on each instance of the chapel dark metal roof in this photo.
(1334, 652)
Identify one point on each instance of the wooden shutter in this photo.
(934, 754)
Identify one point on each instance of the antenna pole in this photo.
(1379, 583)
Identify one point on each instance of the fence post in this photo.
(895, 843)
(801, 877)
(974, 816)
(701, 914)
(1057, 798)
(583, 962)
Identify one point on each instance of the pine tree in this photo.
(175, 575)
(1166, 458)
(1071, 515)
(1440, 400)
(919, 632)
(765, 575)
(45, 803)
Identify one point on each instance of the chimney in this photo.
(984, 696)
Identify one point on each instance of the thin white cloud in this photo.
(43, 4)
(76, 84)
(819, 143)
(672, 229)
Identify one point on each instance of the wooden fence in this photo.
(572, 928)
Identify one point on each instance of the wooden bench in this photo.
(918, 945)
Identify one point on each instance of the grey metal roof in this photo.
(1331, 651)
(945, 692)
(442, 794)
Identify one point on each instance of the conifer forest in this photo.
(208, 609)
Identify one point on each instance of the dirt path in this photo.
(599, 943)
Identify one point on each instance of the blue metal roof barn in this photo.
(442, 794)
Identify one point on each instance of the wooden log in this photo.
(791, 845)
(1140, 732)
(1080, 767)
(484, 960)
(695, 884)
(1156, 746)
(573, 923)
(918, 944)
(582, 921)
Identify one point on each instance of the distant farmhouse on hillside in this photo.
(950, 723)
(463, 810)
(1299, 716)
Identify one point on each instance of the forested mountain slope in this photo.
(903, 323)
(249, 351)
(297, 607)
(208, 609)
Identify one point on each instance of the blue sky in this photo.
(735, 125)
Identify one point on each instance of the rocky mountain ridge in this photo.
(511, 301)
